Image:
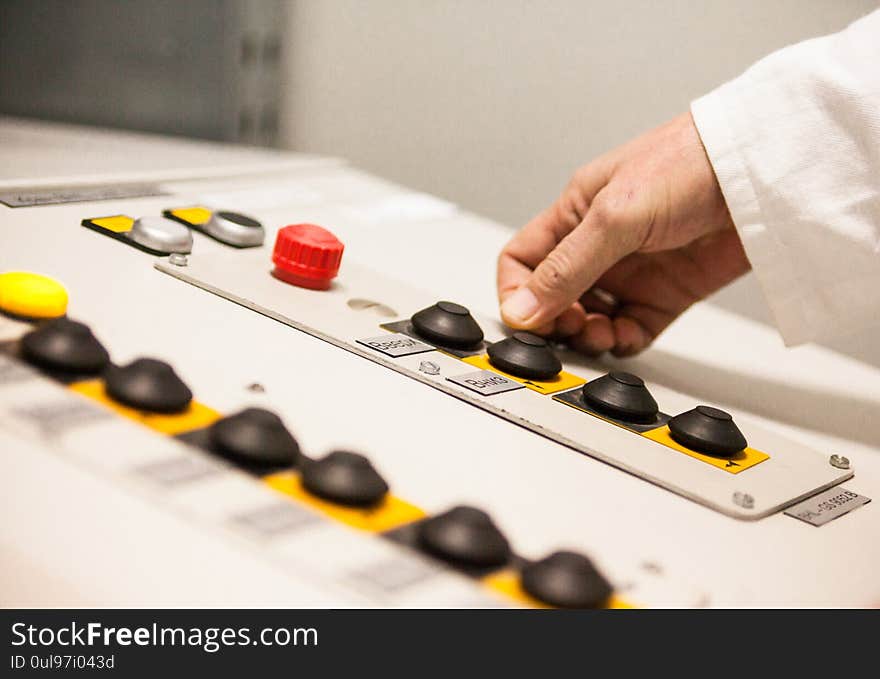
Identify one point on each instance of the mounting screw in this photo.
(652, 567)
(429, 368)
(178, 259)
(256, 388)
(839, 461)
(744, 500)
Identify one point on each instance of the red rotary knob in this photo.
(307, 255)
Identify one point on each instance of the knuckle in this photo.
(573, 205)
(606, 213)
(582, 176)
(513, 249)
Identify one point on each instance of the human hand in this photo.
(637, 236)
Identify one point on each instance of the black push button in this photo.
(65, 345)
(256, 438)
(525, 355)
(566, 580)
(465, 536)
(707, 430)
(345, 478)
(622, 396)
(147, 384)
(448, 324)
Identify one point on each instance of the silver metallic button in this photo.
(161, 234)
(235, 229)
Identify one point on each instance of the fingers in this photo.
(604, 236)
(596, 337)
(647, 223)
(621, 335)
(537, 239)
(600, 301)
(630, 336)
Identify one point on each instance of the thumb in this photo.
(604, 237)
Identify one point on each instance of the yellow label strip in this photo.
(733, 465)
(196, 416)
(561, 382)
(507, 583)
(115, 223)
(194, 216)
(387, 515)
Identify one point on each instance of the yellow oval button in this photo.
(32, 295)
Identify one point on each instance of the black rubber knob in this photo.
(256, 438)
(622, 396)
(525, 355)
(345, 478)
(566, 580)
(65, 345)
(147, 384)
(707, 430)
(466, 536)
(448, 324)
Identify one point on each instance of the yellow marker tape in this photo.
(734, 465)
(31, 295)
(507, 582)
(116, 223)
(196, 416)
(194, 216)
(561, 382)
(388, 514)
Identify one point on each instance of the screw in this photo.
(652, 567)
(744, 500)
(257, 388)
(178, 259)
(429, 368)
(839, 461)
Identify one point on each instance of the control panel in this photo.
(243, 378)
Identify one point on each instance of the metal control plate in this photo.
(792, 473)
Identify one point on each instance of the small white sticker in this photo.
(395, 344)
(822, 508)
(486, 382)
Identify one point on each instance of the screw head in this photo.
(744, 500)
(429, 368)
(177, 259)
(839, 461)
(256, 388)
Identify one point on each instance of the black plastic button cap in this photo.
(621, 395)
(147, 384)
(448, 324)
(255, 437)
(566, 580)
(465, 535)
(65, 345)
(345, 478)
(525, 355)
(707, 430)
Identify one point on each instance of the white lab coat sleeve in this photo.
(795, 144)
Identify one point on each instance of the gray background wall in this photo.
(494, 103)
(200, 68)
